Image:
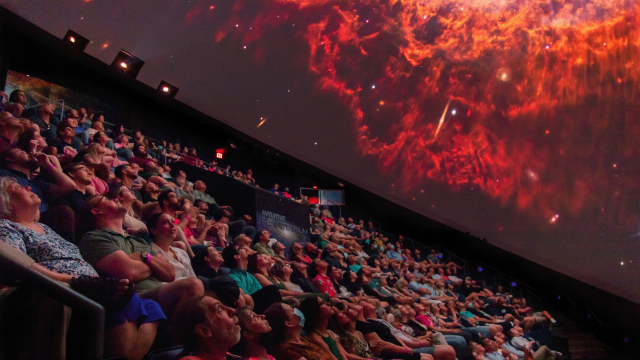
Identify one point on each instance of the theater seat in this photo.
(170, 353)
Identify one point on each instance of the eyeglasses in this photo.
(98, 202)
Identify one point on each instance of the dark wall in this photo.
(28, 49)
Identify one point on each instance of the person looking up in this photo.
(163, 232)
(236, 258)
(115, 253)
(10, 130)
(286, 324)
(317, 313)
(207, 328)
(254, 338)
(46, 121)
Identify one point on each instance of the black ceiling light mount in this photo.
(167, 89)
(127, 63)
(78, 41)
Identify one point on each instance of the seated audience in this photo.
(236, 258)
(131, 329)
(115, 253)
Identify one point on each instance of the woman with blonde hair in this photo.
(97, 153)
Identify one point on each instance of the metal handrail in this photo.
(91, 328)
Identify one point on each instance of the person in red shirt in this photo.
(322, 281)
(140, 156)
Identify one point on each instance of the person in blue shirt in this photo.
(391, 253)
(236, 258)
(274, 189)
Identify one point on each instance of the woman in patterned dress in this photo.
(131, 330)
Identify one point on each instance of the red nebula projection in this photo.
(530, 101)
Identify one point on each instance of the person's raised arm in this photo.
(63, 184)
(182, 238)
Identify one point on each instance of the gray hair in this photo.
(5, 201)
(380, 313)
(397, 314)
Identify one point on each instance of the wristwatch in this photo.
(145, 256)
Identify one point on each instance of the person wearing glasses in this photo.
(79, 173)
(115, 253)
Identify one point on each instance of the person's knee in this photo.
(444, 352)
(192, 287)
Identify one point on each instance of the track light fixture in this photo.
(78, 41)
(127, 63)
(167, 89)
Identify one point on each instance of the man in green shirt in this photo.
(236, 258)
(198, 193)
(114, 253)
(262, 246)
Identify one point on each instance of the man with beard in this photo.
(126, 174)
(114, 253)
(16, 163)
(10, 130)
(150, 192)
(79, 173)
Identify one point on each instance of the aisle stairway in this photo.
(581, 345)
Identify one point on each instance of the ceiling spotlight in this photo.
(127, 63)
(168, 89)
(76, 40)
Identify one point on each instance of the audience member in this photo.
(255, 337)
(46, 121)
(115, 253)
(207, 328)
(162, 228)
(286, 324)
(236, 258)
